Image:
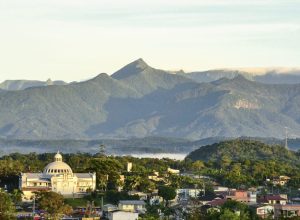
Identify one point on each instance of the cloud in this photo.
(87, 36)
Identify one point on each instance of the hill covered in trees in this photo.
(241, 149)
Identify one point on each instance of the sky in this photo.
(78, 39)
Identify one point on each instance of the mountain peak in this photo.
(130, 69)
(240, 77)
(49, 82)
(101, 76)
(140, 63)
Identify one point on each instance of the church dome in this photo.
(58, 166)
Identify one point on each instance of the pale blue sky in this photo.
(75, 40)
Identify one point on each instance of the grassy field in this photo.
(82, 202)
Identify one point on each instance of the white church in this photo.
(57, 177)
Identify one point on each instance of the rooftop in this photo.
(132, 202)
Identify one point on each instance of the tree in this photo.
(102, 151)
(114, 197)
(233, 206)
(67, 210)
(146, 185)
(16, 195)
(229, 215)
(167, 193)
(197, 165)
(132, 182)
(52, 202)
(7, 208)
(107, 171)
(195, 214)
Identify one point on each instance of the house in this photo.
(173, 171)
(155, 200)
(247, 197)
(252, 197)
(273, 199)
(122, 215)
(141, 195)
(218, 189)
(265, 211)
(107, 209)
(281, 180)
(295, 200)
(185, 194)
(196, 176)
(237, 195)
(286, 211)
(155, 177)
(132, 206)
(216, 202)
(205, 199)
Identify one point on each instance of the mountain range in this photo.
(12, 85)
(141, 101)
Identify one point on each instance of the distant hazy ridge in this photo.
(139, 101)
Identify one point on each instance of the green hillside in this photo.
(237, 150)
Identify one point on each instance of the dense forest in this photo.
(244, 149)
(244, 163)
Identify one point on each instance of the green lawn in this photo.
(82, 202)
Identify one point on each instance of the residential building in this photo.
(188, 193)
(218, 189)
(142, 195)
(122, 215)
(173, 171)
(281, 180)
(156, 177)
(247, 197)
(286, 211)
(107, 209)
(273, 199)
(132, 206)
(265, 211)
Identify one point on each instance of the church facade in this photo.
(57, 177)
